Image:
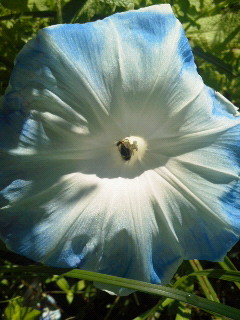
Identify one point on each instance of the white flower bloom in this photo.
(115, 157)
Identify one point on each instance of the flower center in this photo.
(132, 148)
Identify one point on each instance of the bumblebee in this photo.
(126, 149)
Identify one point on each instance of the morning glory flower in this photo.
(115, 157)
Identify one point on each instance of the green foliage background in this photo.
(213, 28)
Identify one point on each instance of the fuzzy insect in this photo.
(126, 149)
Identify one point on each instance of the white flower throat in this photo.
(132, 148)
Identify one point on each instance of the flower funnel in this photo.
(114, 155)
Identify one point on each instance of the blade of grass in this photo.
(214, 60)
(204, 282)
(227, 275)
(227, 264)
(233, 276)
(157, 308)
(184, 312)
(107, 317)
(192, 299)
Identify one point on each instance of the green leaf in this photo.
(70, 297)
(30, 314)
(63, 284)
(213, 30)
(37, 5)
(25, 5)
(80, 285)
(16, 5)
(15, 311)
(83, 11)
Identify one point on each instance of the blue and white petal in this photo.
(67, 197)
(89, 74)
(74, 223)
